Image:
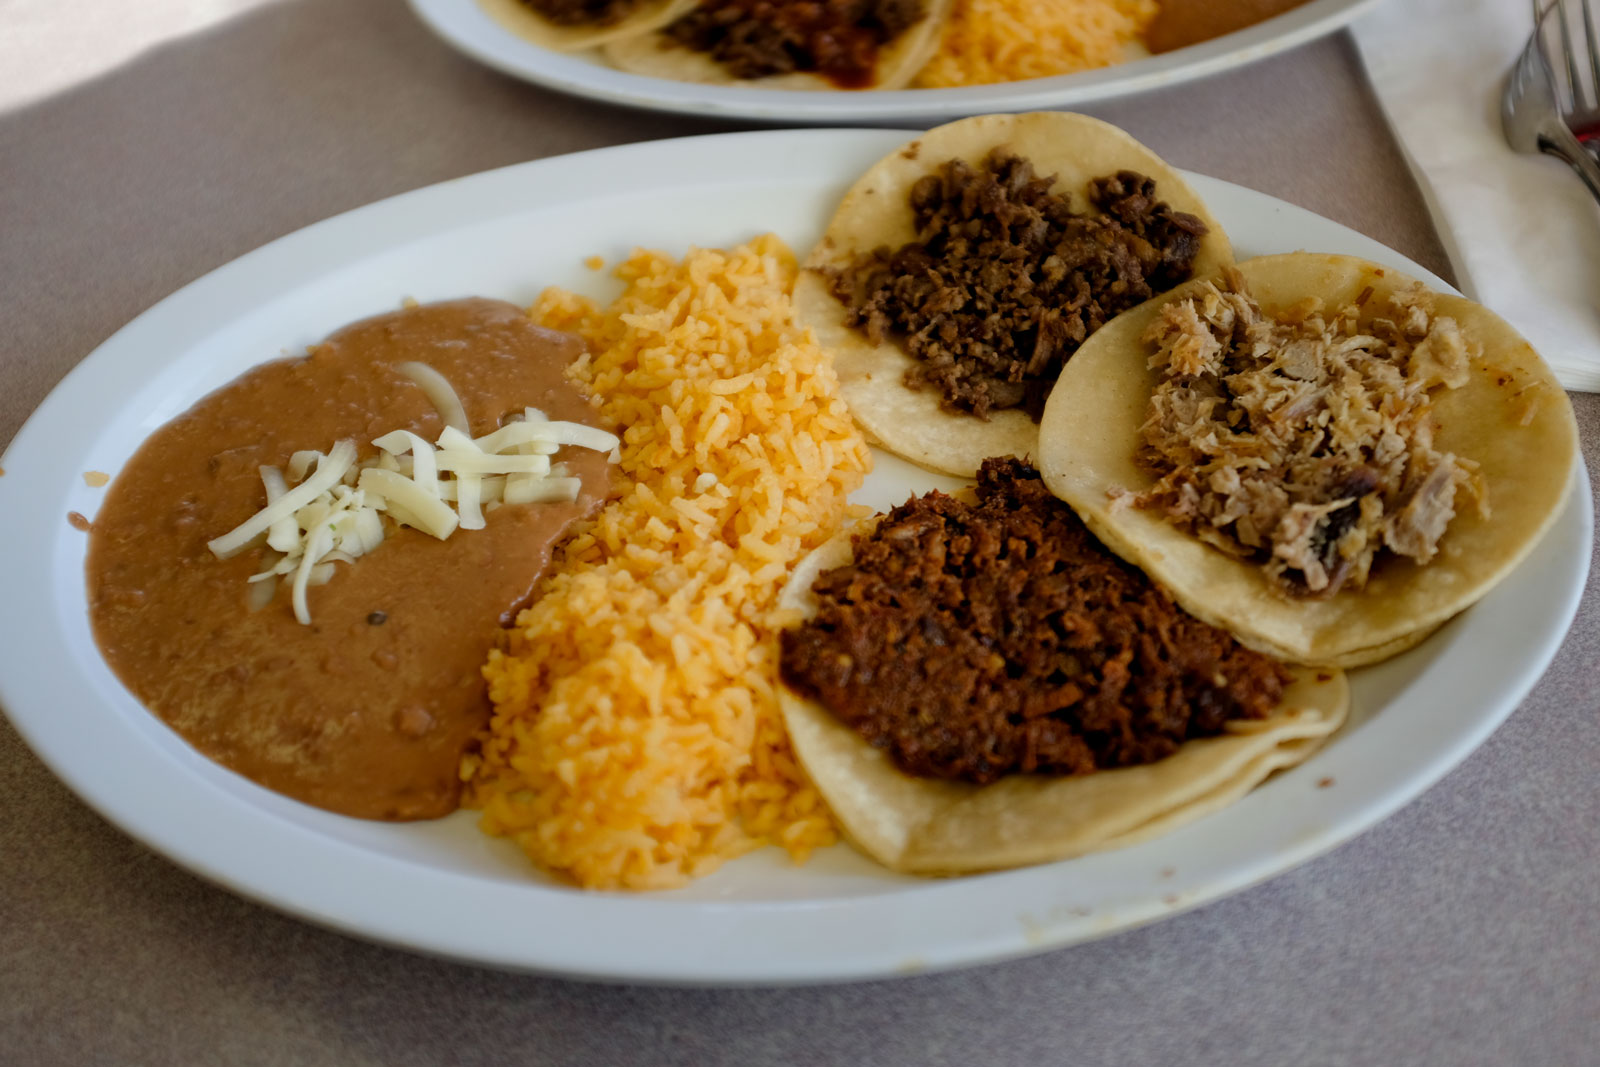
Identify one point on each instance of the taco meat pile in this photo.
(972, 642)
(1305, 442)
(1005, 280)
(838, 39)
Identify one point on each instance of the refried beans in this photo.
(975, 641)
(368, 710)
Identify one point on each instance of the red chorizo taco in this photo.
(961, 271)
(573, 25)
(837, 44)
(978, 686)
(1314, 452)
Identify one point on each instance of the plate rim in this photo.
(465, 27)
(1048, 930)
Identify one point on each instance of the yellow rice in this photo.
(989, 41)
(636, 740)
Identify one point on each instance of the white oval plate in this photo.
(443, 887)
(465, 25)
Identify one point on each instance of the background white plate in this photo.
(467, 27)
(442, 887)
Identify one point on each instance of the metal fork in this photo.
(1539, 101)
(1576, 94)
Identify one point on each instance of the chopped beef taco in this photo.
(829, 44)
(962, 271)
(982, 685)
(573, 25)
(1313, 451)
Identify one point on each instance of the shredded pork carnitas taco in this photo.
(1317, 453)
(1304, 441)
(962, 271)
(983, 685)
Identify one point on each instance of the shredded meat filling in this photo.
(838, 39)
(1004, 281)
(1304, 441)
(584, 12)
(971, 642)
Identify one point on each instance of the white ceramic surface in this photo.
(444, 888)
(467, 27)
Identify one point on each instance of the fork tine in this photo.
(1594, 48)
(1574, 87)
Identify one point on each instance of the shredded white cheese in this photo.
(316, 547)
(282, 534)
(407, 503)
(334, 515)
(330, 469)
(424, 471)
(440, 393)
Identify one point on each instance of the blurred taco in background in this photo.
(832, 44)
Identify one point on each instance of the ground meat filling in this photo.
(971, 642)
(584, 12)
(1304, 440)
(838, 39)
(1005, 281)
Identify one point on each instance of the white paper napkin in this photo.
(1522, 231)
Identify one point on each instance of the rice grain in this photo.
(636, 740)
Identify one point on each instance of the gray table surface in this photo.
(1462, 930)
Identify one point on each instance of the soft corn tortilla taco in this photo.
(875, 212)
(1510, 418)
(528, 24)
(657, 55)
(929, 827)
